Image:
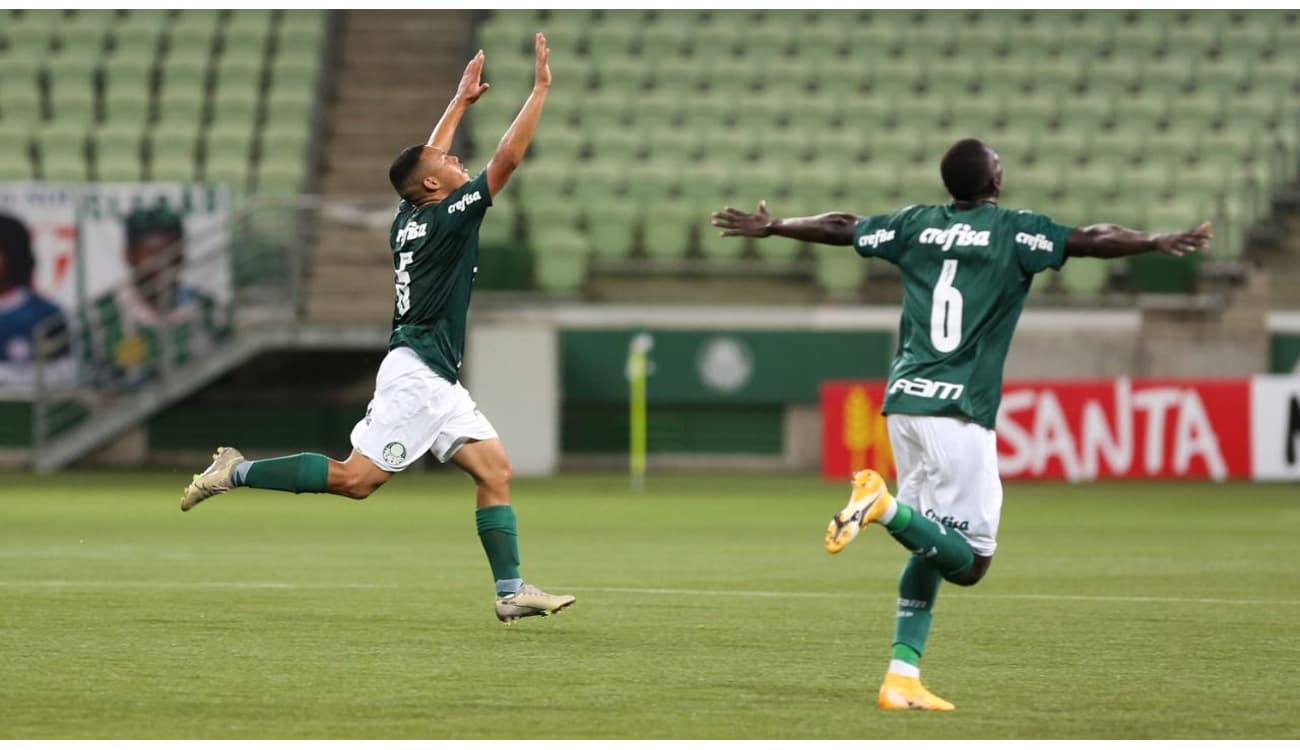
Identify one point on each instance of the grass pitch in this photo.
(706, 608)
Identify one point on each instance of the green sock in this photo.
(947, 551)
(917, 589)
(500, 537)
(301, 472)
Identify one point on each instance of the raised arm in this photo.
(514, 144)
(470, 89)
(1114, 241)
(826, 229)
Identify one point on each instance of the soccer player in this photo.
(966, 270)
(124, 329)
(21, 308)
(419, 404)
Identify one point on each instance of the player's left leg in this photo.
(469, 441)
(953, 481)
(357, 477)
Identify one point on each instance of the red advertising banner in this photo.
(1075, 430)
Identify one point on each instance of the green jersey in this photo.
(124, 335)
(966, 273)
(435, 257)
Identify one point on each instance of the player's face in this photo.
(446, 170)
(152, 258)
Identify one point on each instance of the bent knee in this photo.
(974, 574)
(496, 477)
(360, 487)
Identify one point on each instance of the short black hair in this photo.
(403, 166)
(16, 245)
(968, 169)
(157, 219)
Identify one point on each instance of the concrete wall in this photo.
(513, 373)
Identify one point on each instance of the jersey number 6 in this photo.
(945, 314)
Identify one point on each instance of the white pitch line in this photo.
(280, 585)
(834, 595)
(52, 584)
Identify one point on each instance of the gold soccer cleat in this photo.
(530, 601)
(216, 479)
(901, 693)
(867, 503)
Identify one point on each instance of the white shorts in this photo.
(948, 470)
(415, 411)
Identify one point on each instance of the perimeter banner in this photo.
(1083, 430)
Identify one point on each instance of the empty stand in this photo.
(1155, 118)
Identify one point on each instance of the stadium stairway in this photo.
(380, 104)
(267, 307)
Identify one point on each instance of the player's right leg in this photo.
(485, 460)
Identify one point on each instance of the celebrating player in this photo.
(966, 270)
(419, 404)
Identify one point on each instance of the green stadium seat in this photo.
(239, 71)
(234, 146)
(155, 20)
(291, 141)
(1144, 114)
(284, 178)
(895, 77)
(294, 72)
(1058, 76)
(1084, 276)
(619, 146)
(1277, 75)
(562, 269)
(1087, 114)
(176, 170)
(1222, 75)
(117, 167)
(250, 21)
(289, 107)
(1113, 77)
(1005, 78)
(127, 109)
(1196, 112)
(1167, 76)
(665, 41)
(981, 116)
(666, 229)
(172, 145)
(839, 271)
(952, 79)
(111, 143)
(611, 227)
(186, 73)
(1116, 147)
(180, 107)
(191, 41)
(233, 174)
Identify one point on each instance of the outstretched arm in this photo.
(514, 144)
(468, 92)
(826, 229)
(1114, 241)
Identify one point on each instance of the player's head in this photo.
(424, 174)
(17, 263)
(971, 171)
(154, 248)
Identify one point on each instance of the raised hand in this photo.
(1179, 244)
(542, 74)
(736, 223)
(471, 84)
